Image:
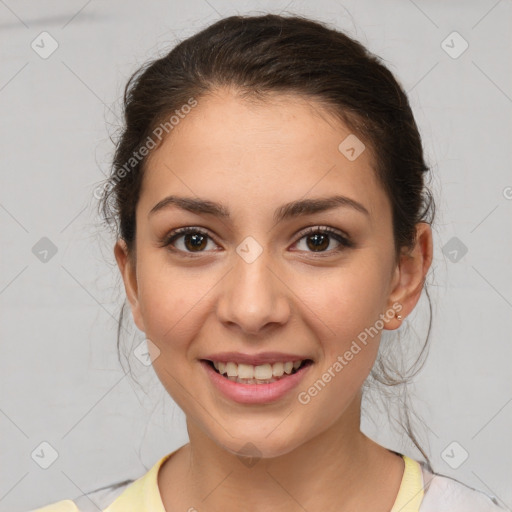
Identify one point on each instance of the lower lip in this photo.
(255, 393)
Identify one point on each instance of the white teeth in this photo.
(277, 369)
(245, 371)
(263, 372)
(231, 370)
(251, 381)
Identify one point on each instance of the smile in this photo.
(250, 384)
(261, 374)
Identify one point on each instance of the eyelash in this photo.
(344, 241)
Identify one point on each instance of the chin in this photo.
(260, 445)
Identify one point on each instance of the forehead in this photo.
(260, 152)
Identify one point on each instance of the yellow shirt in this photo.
(143, 495)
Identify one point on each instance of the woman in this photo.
(269, 191)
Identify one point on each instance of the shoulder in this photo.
(127, 495)
(443, 493)
(93, 501)
(60, 506)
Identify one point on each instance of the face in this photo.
(264, 277)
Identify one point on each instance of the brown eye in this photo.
(194, 240)
(318, 242)
(319, 239)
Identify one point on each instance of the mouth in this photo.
(261, 374)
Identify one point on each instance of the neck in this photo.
(333, 470)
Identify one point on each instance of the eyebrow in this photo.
(287, 211)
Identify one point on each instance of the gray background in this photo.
(61, 382)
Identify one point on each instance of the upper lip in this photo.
(255, 359)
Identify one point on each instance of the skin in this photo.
(253, 158)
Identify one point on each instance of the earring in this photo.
(399, 317)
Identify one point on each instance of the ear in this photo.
(127, 267)
(409, 275)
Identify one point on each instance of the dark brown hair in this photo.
(257, 56)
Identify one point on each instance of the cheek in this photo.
(346, 311)
(348, 301)
(347, 306)
(170, 300)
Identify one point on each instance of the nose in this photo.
(253, 296)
